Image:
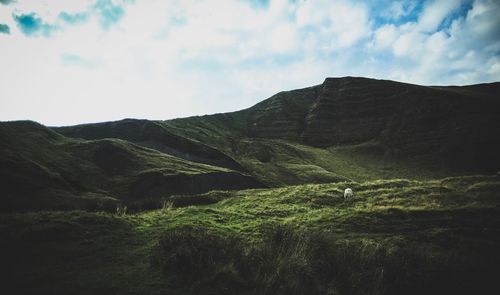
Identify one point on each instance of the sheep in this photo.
(347, 193)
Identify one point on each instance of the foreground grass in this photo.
(394, 237)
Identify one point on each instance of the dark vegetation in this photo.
(394, 236)
(295, 261)
(250, 202)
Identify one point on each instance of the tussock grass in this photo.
(393, 237)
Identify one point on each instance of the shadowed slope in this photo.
(152, 135)
(41, 169)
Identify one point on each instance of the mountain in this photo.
(346, 129)
(401, 128)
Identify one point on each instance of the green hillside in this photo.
(41, 169)
(358, 128)
(152, 135)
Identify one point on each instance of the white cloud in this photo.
(399, 9)
(283, 38)
(435, 12)
(342, 23)
(385, 36)
(166, 59)
(423, 52)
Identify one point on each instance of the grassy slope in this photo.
(151, 134)
(281, 162)
(427, 236)
(42, 169)
(278, 163)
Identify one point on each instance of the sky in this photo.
(81, 61)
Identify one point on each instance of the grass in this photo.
(393, 237)
(73, 253)
(277, 162)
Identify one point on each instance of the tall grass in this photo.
(289, 260)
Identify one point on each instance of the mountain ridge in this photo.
(408, 119)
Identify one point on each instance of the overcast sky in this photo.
(68, 62)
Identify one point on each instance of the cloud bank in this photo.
(107, 59)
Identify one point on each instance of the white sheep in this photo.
(347, 193)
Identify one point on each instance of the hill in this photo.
(152, 135)
(41, 169)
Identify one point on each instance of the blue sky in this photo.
(69, 62)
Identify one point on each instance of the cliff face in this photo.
(349, 111)
(355, 110)
(282, 116)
